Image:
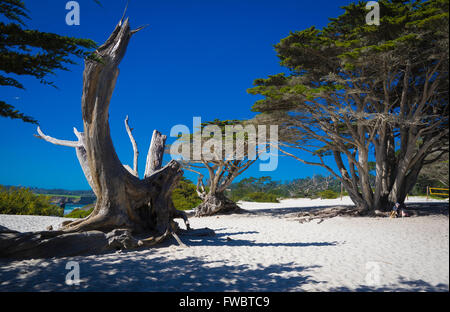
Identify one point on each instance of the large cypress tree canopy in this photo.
(333, 68)
(356, 90)
(32, 52)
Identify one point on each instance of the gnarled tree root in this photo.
(49, 244)
(216, 204)
(326, 213)
(92, 222)
(125, 205)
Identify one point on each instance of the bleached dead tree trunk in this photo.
(221, 175)
(126, 205)
(80, 151)
(155, 153)
(227, 150)
(122, 199)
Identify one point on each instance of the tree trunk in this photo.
(125, 205)
(216, 203)
(123, 201)
(155, 153)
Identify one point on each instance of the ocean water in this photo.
(70, 207)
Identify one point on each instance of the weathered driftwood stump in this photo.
(214, 200)
(326, 213)
(127, 207)
(216, 204)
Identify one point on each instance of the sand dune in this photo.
(259, 251)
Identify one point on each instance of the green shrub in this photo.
(261, 197)
(438, 196)
(184, 196)
(431, 196)
(22, 201)
(328, 194)
(79, 213)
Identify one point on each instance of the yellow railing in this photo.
(432, 192)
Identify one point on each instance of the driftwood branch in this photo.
(138, 29)
(135, 149)
(155, 153)
(52, 140)
(79, 149)
(325, 213)
(125, 204)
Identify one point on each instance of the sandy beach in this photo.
(265, 249)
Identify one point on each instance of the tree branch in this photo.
(155, 153)
(135, 149)
(52, 140)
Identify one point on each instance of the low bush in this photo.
(79, 213)
(261, 197)
(328, 194)
(184, 196)
(22, 201)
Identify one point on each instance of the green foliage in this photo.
(32, 52)
(7, 110)
(347, 46)
(221, 137)
(435, 174)
(257, 189)
(184, 196)
(217, 137)
(317, 186)
(438, 196)
(22, 201)
(350, 84)
(260, 197)
(61, 195)
(13, 10)
(79, 213)
(310, 187)
(328, 194)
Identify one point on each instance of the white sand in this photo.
(266, 251)
(305, 202)
(30, 223)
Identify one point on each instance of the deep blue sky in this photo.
(196, 58)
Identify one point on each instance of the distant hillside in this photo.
(62, 192)
(61, 196)
(59, 192)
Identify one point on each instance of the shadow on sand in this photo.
(225, 239)
(169, 270)
(126, 273)
(401, 286)
(144, 271)
(138, 272)
(287, 212)
(417, 209)
(428, 209)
